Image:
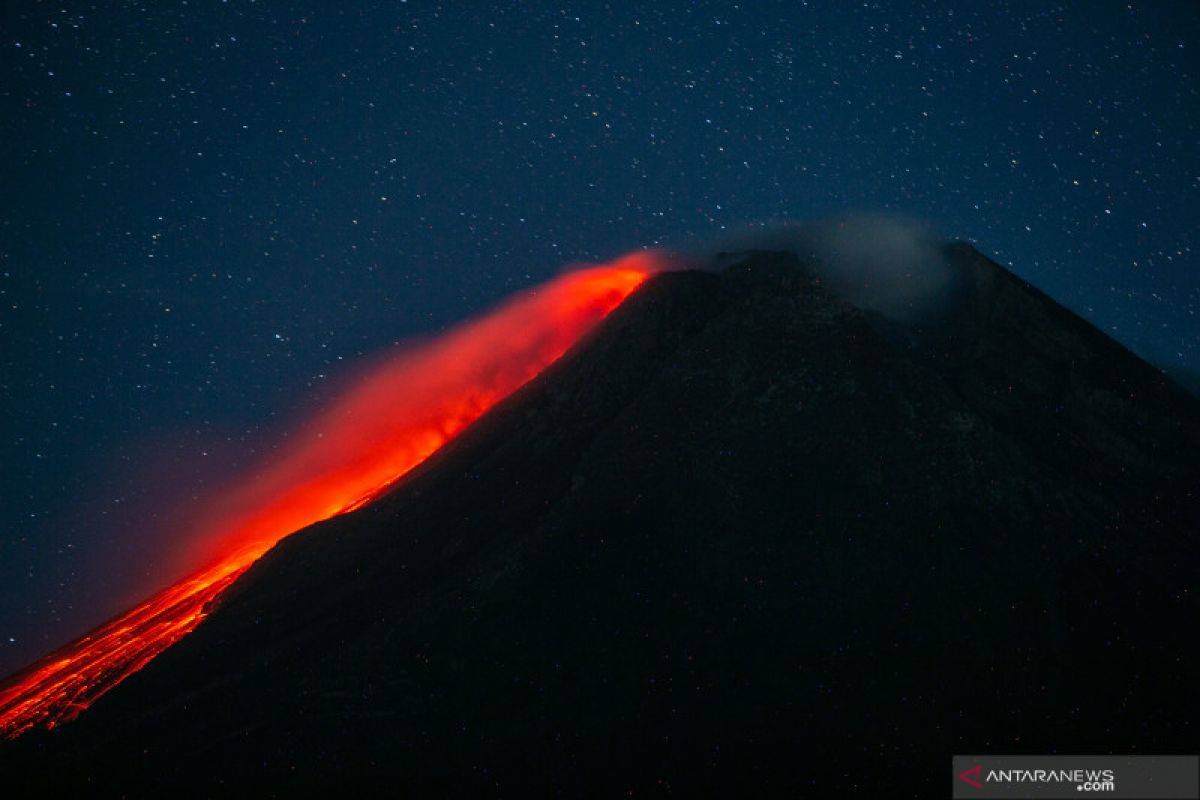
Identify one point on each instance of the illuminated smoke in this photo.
(393, 418)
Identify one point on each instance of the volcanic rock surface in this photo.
(744, 536)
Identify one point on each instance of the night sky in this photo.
(211, 209)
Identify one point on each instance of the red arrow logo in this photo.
(971, 776)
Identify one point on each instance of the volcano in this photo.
(744, 535)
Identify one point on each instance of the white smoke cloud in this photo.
(890, 264)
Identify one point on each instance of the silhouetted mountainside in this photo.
(1187, 378)
(746, 536)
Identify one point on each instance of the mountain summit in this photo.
(745, 534)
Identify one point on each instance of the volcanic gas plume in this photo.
(399, 413)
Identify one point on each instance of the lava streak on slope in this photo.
(395, 417)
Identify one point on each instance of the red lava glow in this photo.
(398, 414)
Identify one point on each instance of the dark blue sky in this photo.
(210, 208)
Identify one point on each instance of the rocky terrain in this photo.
(745, 536)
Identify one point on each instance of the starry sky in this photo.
(210, 209)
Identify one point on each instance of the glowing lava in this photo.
(398, 414)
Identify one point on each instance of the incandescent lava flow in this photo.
(399, 413)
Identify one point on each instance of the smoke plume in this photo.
(890, 264)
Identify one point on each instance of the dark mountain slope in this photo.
(745, 535)
(1187, 378)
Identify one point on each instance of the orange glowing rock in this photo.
(394, 417)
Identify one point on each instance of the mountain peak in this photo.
(743, 533)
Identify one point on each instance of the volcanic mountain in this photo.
(744, 535)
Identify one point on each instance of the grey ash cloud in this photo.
(887, 263)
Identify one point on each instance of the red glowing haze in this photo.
(393, 418)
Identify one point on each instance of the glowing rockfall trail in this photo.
(395, 417)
